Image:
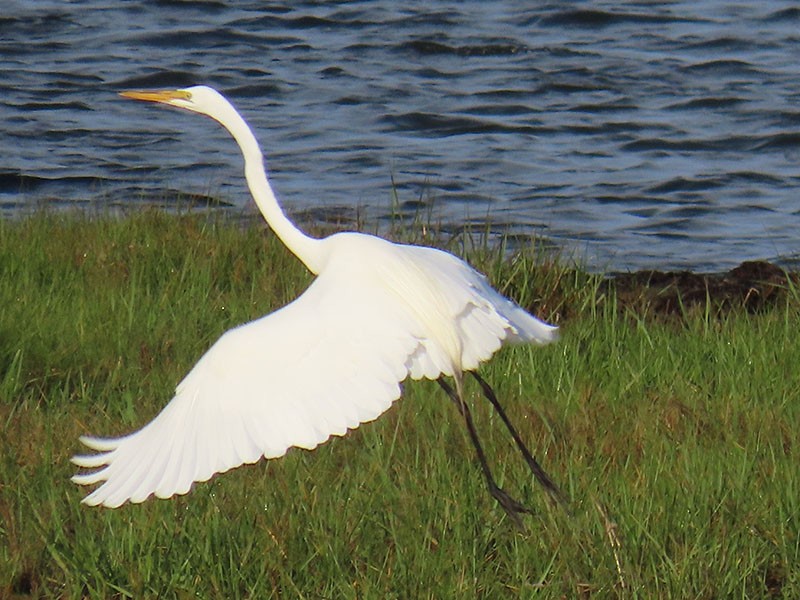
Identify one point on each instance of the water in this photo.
(634, 135)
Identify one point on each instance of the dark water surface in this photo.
(637, 135)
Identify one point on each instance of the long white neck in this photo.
(306, 248)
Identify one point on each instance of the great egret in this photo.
(377, 313)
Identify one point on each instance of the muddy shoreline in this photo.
(753, 286)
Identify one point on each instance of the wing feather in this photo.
(318, 367)
(483, 317)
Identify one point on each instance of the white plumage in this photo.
(376, 314)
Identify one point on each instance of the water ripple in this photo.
(639, 136)
(601, 18)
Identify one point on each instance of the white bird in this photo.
(377, 313)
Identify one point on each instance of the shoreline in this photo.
(753, 285)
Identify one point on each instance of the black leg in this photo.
(535, 467)
(512, 507)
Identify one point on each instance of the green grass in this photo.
(677, 440)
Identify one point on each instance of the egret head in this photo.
(198, 98)
(205, 101)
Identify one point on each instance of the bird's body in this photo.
(376, 314)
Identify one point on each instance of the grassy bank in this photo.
(676, 439)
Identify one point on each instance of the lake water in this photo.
(634, 135)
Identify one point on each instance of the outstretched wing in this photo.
(330, 360)
(482, 318)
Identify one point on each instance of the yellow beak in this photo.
(164, 96)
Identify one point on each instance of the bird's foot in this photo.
(512, 507)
